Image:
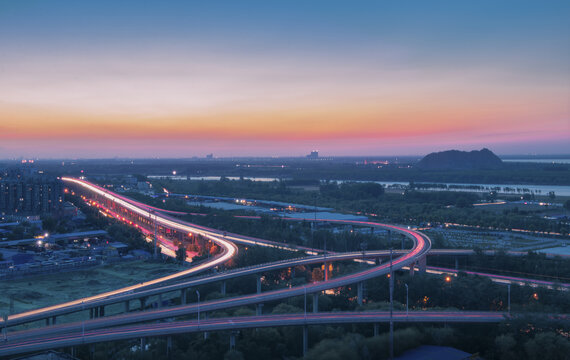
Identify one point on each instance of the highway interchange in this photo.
(130, 324)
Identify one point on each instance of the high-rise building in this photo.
(23, 193)
(313, 155)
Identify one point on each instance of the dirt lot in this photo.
(44, 290)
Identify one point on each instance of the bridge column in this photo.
(143, 302)
(223, 288)
(183, 296)
(5, 327)
(233, 340)
(259, 284)
(159, 300)
(143, 344)
(316, 302)
(102, 311)
(53, 320)
(91, 313)
(326, 271)
(422, 264)
(376, 329)
(412, 270)
(127, 308)
(168, 346)
(359, 292)
(47, 321)
(259, 309)
(305, 340)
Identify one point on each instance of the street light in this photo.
(406, 299)
(198, 293)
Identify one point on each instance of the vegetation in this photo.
(408, 206)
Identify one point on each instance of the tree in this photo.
(505, 345)
(181, 254)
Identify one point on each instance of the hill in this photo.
(461, 160)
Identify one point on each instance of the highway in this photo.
(421, 246)
(16, 345)
(99, 327)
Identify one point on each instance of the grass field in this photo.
(43, 290)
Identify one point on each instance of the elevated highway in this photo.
(225, 240)
(17, 345)
(112, 327)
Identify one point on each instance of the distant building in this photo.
(313, 155)
(26, 192)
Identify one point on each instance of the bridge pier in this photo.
(127, 308)
(183, 296)
(143, 344)
(359, 292)
(305, 340)
(259, 309)
(223, 288)
(376, 329)
(91, 313)
(422, 264)
(53, 320)
(259, 284)
(102, 311)
(233, 340)
(168, 346)
(143, 303)
(5, 327)
(316, 302)
(47, 321)
(159, 300)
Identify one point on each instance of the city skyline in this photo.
(99, 79)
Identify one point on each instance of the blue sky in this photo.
(281, 78)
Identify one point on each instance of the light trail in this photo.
(229, 250)
(15, 346)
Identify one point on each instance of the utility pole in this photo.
(198, 294)
(155, 242)
(391, 308)
(509, 298)
(406, 300)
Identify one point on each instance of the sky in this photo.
(81, 79)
